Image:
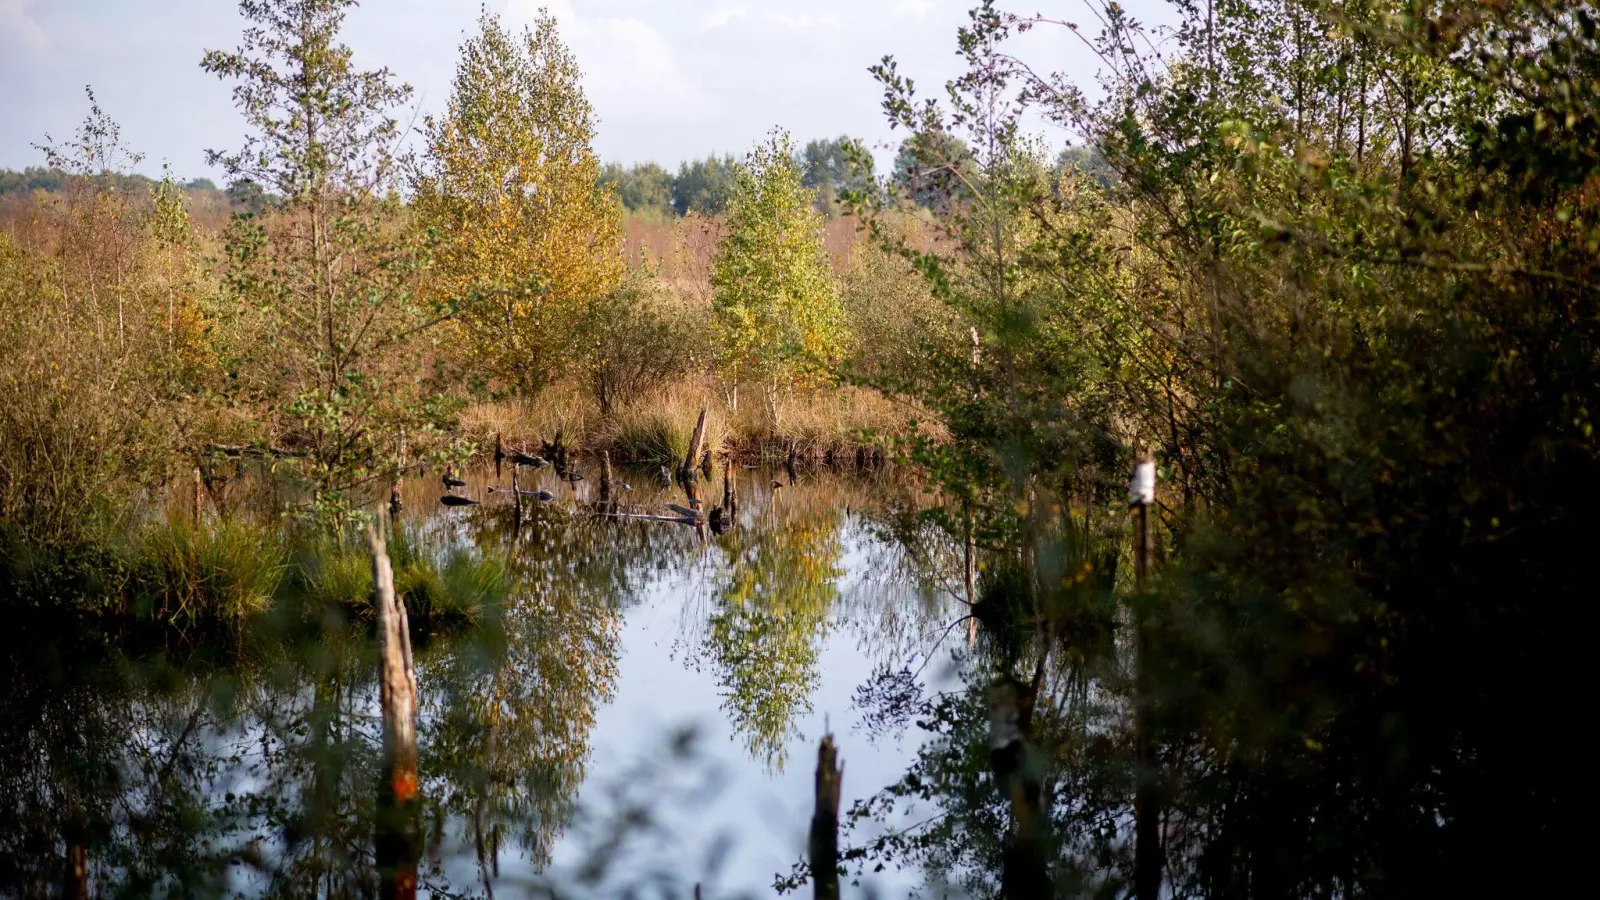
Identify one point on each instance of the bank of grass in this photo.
(657, 427)
(213, 581)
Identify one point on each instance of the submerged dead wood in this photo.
(234, 451)
(824, 842)
(397, 838)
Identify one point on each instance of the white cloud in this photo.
(808, 23)
(916, 9)
(720, 17)
(630, 70)
(17, 22)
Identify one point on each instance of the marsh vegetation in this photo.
(1319, 277)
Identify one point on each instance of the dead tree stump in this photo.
(824, 842)
(397, 837)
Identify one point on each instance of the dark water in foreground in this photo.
(642, 713)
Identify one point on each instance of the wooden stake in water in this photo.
(824, 849)
(1147, 860)
(605, 483)
(697, 443)
(516, 497)
(397, 838)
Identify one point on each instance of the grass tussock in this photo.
(446, 588)
(221, 574)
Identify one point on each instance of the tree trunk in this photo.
(397, 840)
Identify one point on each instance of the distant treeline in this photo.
(240, 196)
(827, 166)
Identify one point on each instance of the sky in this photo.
(670, 80)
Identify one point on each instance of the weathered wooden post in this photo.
(825, 822)
(499, 455)
(730, 491)
(697, 443)
(516, 496)
(397, 837)
(1147, 860)
(789, 464)
(605, 483)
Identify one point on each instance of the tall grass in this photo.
(656, 428)
(216, 579)
(442, 588)
(222, 574)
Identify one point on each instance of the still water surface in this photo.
(644, 712)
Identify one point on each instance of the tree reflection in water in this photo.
(180, 773)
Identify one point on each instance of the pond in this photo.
(642, 712)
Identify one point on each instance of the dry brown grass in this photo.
(656, 428)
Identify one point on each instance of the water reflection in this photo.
(199, 776)
(770, 614)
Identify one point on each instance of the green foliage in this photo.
(442, 589)
(191, 578)
(776, 306)
(1339, 281)
(933, 167)
(827, 167)
(764, 633)
(511, 190)
(635, 339)
(321, 314)
(831, 166)
(101, 327)
(893, 316)
(703, 186)
(642, 188)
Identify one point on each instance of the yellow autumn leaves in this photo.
(526, 237)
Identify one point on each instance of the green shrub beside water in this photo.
(222, 576)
